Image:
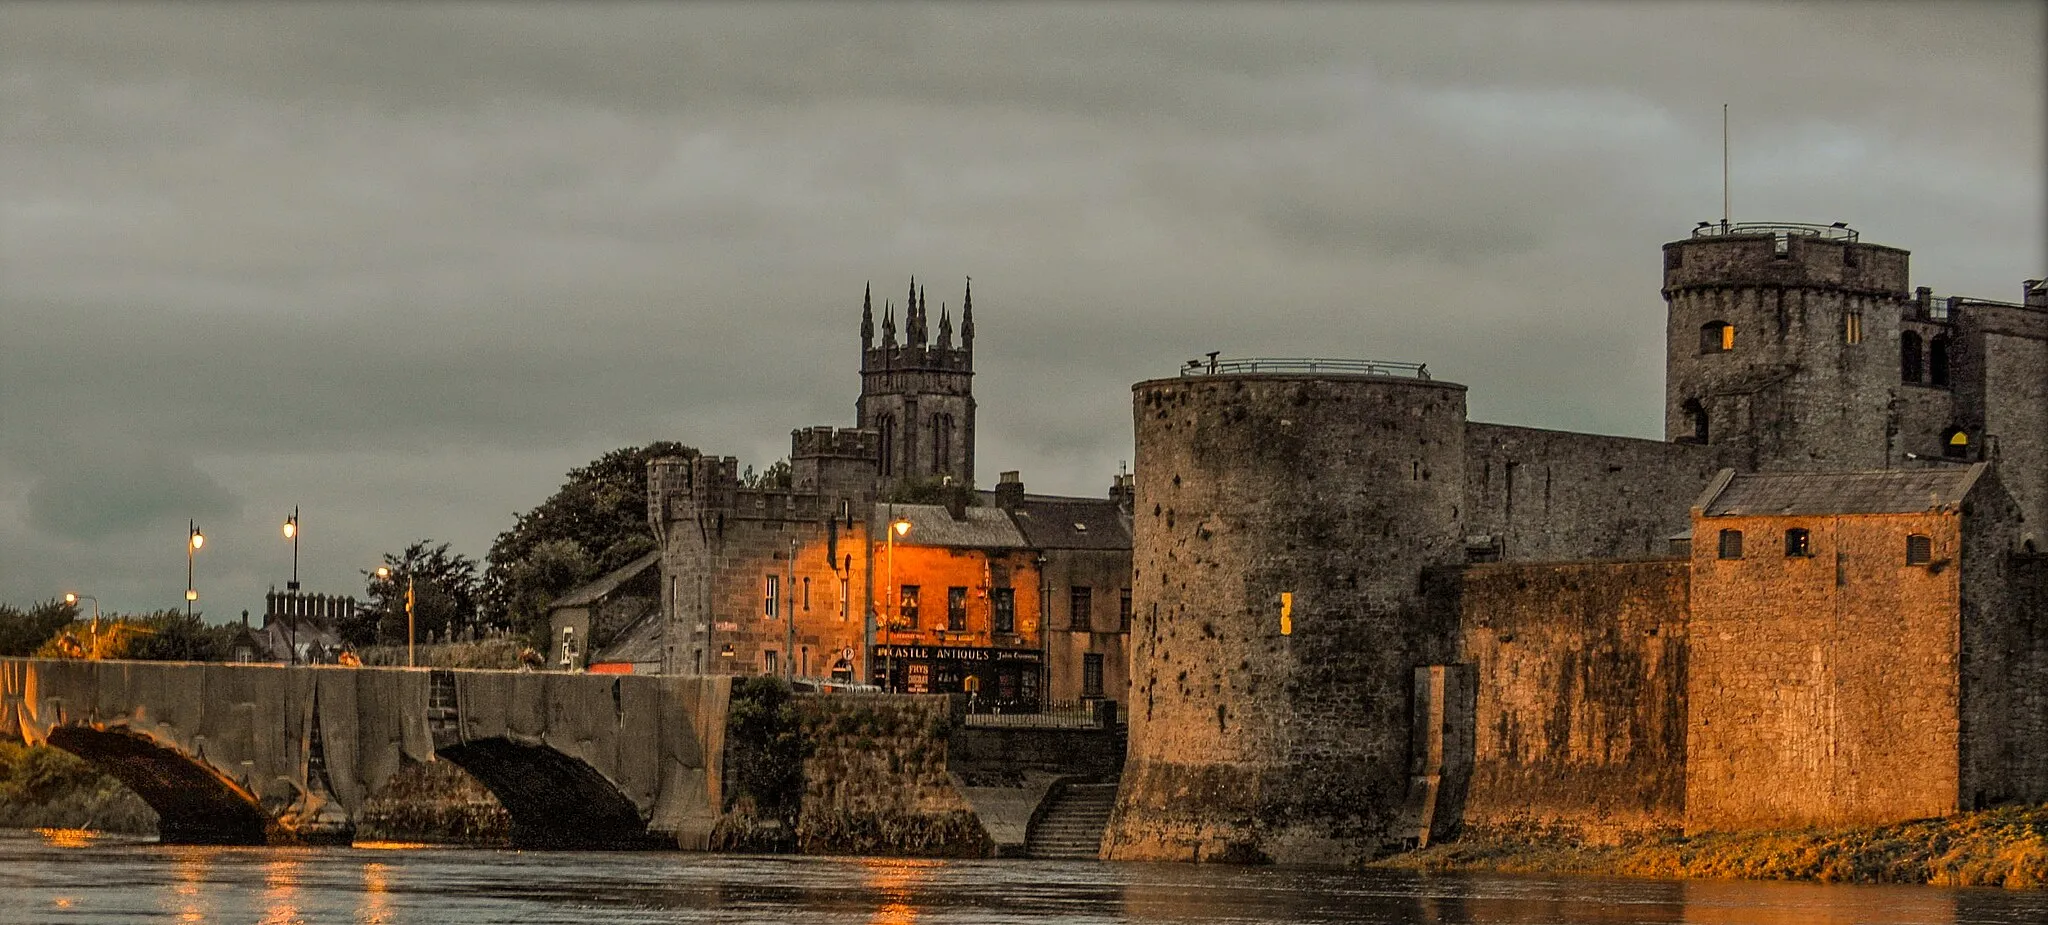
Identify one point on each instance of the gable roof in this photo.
(1882, 491)
(639, 643)
(1054, 522)
(933, 525)
(604, 586)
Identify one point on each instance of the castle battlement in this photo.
(1784, 255)
(835, 442)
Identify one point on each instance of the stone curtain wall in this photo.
(1823, 689)
(1579, 718)
(876, 781)
(1551, 495)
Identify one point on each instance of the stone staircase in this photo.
(1071, 827)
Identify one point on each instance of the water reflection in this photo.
(376, 907)
(896, 879)
(281, 892)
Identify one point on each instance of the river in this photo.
(72, 877)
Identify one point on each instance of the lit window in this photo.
(1798, 543)
(1919, 550)
(1717, 337)
(1956, 445)
(1731, 544)
(956, 610)
(1852, 327)
(907, 605)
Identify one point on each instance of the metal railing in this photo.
(1834, 232)
(1085, 714)
(1215, 367)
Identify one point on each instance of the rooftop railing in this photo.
(1835, 232)
(1215, 367)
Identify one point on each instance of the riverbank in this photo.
(2000, 847)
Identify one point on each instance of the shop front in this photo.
(1007, 677)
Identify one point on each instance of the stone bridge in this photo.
(268, 754)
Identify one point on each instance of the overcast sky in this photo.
(404, 266)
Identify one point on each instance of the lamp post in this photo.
(384, 573)
(193, 541)
(73, 600)
(291, 532)
(897, 527)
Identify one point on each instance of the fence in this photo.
(1085, 714)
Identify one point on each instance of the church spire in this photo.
(945, 328)
(967, 318)
(867, 317)
(888, 324)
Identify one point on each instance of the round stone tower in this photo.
(1783, 341)
(1284, 513)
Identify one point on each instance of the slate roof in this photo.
(639, 643)
(1055, 522)
(933, 525)
(603, 587)
(1886, 491)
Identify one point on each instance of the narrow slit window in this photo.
(1919, 549)
(1731, 544)
(1852, 327)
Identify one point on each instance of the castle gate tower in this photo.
(1783, 340)
(1284, 513)
(918, 395)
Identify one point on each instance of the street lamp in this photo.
(291, 532)
(897, 527)
(193, 541)
(73, 600)
(384, 573)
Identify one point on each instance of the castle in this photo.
(1364, 621)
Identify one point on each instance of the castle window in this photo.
(906, 605)
(1717, 337)
(956, 610)
(771, 662)
(888, 429)
(1003, 602)
(1798, 544)
(1956, 445)
(774, 590)
(807, 594)
(1937, 360)
(1919, 550)
(1852, 327)
(1909, 357)
(1697, 414)
(1731, 544)
(845, 600)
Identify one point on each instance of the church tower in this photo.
(918, 395)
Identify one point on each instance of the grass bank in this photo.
(2000, 847)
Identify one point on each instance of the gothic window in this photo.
(942, 441)
(1798, 544)
(1919, 549)
(1731, 544)
(1717, 337)
(1956, 445)
(1909, 357)
(887, 425)
(1937, 360)
(1697, 414)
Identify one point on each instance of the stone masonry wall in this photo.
(876, 780)
(1281, 527)
(1823, 690)
(1580, 712)
(1551, 495)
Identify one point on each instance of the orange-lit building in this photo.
(958, 607)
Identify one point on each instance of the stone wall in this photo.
(2004, 656)
(876, 780)
(1281, 524)
(1579, 714)
(1550, 495)
(1071, 637)
(1823, 689)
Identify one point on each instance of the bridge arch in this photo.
(556, 800)
(195, 803)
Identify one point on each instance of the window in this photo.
(807, 593)
(771, 662)
(1731, 544)
(1798, 544)
(906, 605)
(888, 429)
(1852, 327)
(1937, 360)
(1957, 444)
(774, 591)
(1080, 607)
(956, 610)
(845, 600)
(1697, 414)
(1717, 337)
(1910, 365)
(1091, 674)
(1123, 612)
(1004, 603)
(1919, 549)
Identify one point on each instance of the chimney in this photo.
(1124, 490)
(1009, 491)
(956, 504)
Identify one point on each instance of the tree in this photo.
(777, 475)
(162, 636)
(22, 632)
(595, 523)
(445, 593)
